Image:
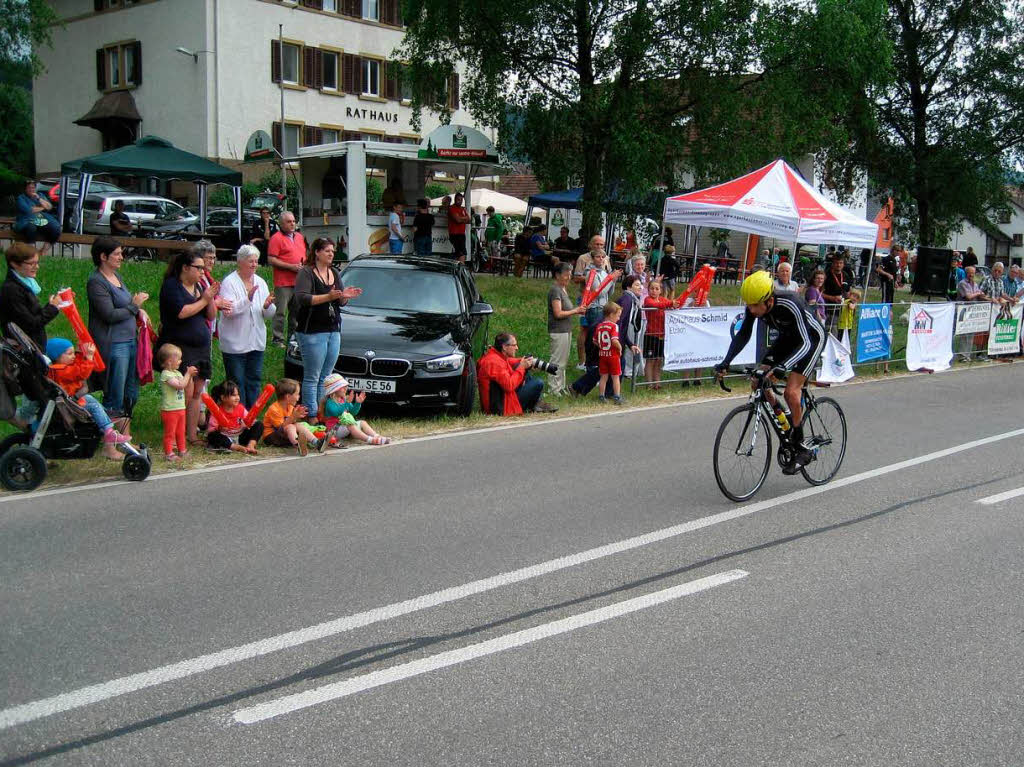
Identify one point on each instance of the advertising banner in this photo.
(836, 365)
(930, 336)
(699, 338)
(1004, 333)
(973, 318)
(874, 332)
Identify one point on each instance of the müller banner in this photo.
(699, 338)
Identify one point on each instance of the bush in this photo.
(433, 190)
(374, 192)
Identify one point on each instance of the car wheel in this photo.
(468, 394)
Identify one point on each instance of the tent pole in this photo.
(238, 211)
(661, 243)
(696, 239)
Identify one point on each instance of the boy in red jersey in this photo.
(609, 352)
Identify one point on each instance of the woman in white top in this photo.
(243, 327)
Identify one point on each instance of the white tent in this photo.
(774, 201)
(503, 203)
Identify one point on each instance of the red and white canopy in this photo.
(773, 201)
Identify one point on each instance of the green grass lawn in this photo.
(519, 307)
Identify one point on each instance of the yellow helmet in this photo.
(756, 288)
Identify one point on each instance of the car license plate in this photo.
(372, 385)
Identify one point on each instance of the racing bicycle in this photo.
(743, 446)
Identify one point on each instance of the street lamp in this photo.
(194, 54)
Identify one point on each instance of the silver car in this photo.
(141, 209)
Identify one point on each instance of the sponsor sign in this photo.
(930, 336)
(836, 362)
(455, 142)
(973, 318)
(874, 332)
(1004, 333)
(259, 147)
(699, 338)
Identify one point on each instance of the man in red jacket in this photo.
(505, 386)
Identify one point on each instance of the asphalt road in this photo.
(574, 592)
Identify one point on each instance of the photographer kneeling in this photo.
(505, 386)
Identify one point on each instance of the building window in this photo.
(328, 136)
(330, 70)
(1004, 217)
(1018, 240)
(331, 5)
(371, 77)
(291, 140)
(119, 66)
(371, 10)
(290, 64)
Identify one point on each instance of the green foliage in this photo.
(434, 190)
(223, 195)
(16, 136)
(951, 122)
(634, 92)
(272, 180)
(374, 192)
(26, 29)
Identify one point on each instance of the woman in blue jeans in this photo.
(320, 296)
(113, 315)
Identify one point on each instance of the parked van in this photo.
(141, 209)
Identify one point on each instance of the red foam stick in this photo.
(216, 412)
(700, 286)
(258, 405)
(67, 306)
(600, 289)
(586, 298)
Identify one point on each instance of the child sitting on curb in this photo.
(70, 373)
(338, 410)
(282, 423)
(233, 435)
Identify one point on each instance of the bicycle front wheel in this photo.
(743, 453)
(825, 431)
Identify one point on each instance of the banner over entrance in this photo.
(930, 336)
(699, 338)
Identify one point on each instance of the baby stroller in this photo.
(63, 430)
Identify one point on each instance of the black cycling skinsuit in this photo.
(801, 337)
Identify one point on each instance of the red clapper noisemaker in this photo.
(67, 306)
(588, 294)
(699, 287)
(214, 409)
(258, 405)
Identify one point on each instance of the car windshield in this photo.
(406, 290)
(177, 214)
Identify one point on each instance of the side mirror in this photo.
(480, 309)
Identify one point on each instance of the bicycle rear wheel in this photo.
(743, 453)
(825, 430)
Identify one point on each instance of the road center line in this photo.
(329, 692)
(1001, 497)
(96, 693)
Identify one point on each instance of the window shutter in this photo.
(275, 135)
(275, 61)
(351, 135)
(312, 135)
(318, 68)
(453, 91)
(309, 56)
(101, 69)
(357, 80)
(317, 4)
(389, 74)
(137, 47)
(389, 12)
(352, 8)
(347, 72)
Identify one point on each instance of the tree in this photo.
(25, 30)
(627, 92)
(952, 121)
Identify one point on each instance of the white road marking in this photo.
(329, 692)
(96, 693)
(10, 497)
(1001, 497)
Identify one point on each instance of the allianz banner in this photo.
(1004, 335)
(930, 336)
(874, 332)
(699, 338)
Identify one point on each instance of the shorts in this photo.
(199, 356)
(654, 347)
(805, 365)
(277, 438)
(609, 366)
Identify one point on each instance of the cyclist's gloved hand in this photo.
(720, 369)
(779, 372)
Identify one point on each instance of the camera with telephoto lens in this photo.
(545, 367)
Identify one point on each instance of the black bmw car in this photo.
(412, 338)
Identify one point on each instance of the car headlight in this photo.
(447, 364)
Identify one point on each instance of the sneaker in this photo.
(322, 443)
(114, 437)
(800, 459)
(601, 398)
(582, 367)
(617, 400)
(545, 407)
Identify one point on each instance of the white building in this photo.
(205, 74)
(1001, 241)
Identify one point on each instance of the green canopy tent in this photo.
(150, 157)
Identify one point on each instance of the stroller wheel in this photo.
(135, 467)
(22, 468)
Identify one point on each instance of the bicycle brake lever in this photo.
(721, 382)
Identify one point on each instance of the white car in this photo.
(141, 209)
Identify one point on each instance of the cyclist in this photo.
(800, 342)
